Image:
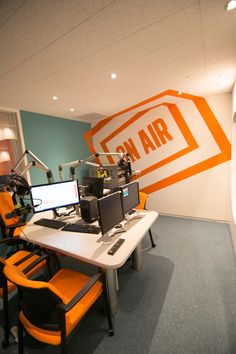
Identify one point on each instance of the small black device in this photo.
(110, 212)
(95, 185)
(130, 197)
(116, 246)
(89, 208)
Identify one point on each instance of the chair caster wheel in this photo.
(5, 343)
(111, 332)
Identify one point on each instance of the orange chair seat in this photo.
(69, 282)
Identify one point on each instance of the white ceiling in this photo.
(69, 48)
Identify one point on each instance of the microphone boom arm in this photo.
(35, 162)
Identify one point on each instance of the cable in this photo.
(24, 235)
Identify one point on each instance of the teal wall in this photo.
(54, 141)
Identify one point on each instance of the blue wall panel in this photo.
(54, 141)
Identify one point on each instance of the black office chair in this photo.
(49, 311)
(21, 258)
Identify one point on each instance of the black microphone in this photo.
(19, 212)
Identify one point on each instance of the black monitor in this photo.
(130, 196)
(3, 181)
(110, 212)
(54, 195)
(95, 185)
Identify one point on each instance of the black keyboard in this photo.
(84, 228)
(54, 224)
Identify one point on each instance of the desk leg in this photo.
(111, 281)
(137, 258)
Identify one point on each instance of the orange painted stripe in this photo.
(208, 117)
(106, 120)
(179, 121)
(213, 124)
(188, 172)
(103, 122)
(165, 161)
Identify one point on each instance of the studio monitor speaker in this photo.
(89, 208)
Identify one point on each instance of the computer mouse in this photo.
(118, 226)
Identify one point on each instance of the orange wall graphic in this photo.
(170, 137)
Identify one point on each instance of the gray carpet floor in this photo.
(182, 302)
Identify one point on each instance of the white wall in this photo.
(206, 194)
(191, 177)
(233, 171)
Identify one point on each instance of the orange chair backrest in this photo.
(7, 206)
(17, 277)
(142, 200)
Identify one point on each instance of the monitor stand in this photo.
(133, 215)
(107, 238)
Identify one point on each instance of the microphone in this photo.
(19, 212)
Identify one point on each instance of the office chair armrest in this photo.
(80, 294)
(18, 224)
(28, 256)
(12, 241)
(36, 262)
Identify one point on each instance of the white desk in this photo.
(90, 248)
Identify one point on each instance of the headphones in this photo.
(18, 184)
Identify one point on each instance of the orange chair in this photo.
(142, 206)
(21, 259)
(13, 226)
(49, 311)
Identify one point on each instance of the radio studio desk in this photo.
(90, 247)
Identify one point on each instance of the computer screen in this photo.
(95, 185)
(54, 195)
(3, 181)
(130, 196)
(110, 211)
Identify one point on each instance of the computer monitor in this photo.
(95, 185)
(129, 196)
(3, 181)
(110, 212)
(54, 195)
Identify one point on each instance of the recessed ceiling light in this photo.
(113, 76)
(231, 5)
(54, 98)
(72, 109)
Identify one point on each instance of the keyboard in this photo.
(84, 228)
(54, 224)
